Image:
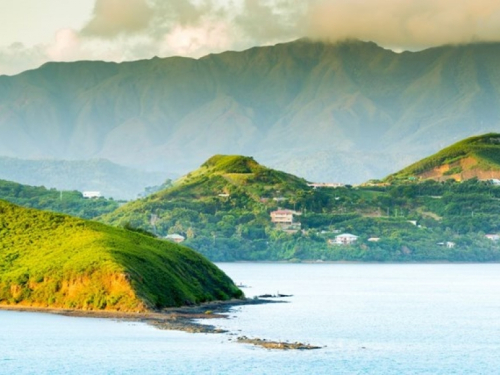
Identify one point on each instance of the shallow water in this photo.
(371, 318)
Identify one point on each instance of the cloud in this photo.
(196, 41)
(17, 58)
(66, 46)
(269, 21)
(115, 17)
(121, 30)
(405, 24)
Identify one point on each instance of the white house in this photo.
(316, 185)
(493, 237)
(345, 239)
(91, 194)
(177, 238)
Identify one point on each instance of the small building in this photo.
(345, 239)
(177, 238)
(283, 216)
(373, 239)
(495, 181)
(450, 245)
(493, 237)
(316, 185)
(91, 194)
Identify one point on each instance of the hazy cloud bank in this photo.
(133, 29)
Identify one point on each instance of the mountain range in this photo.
(346, 111)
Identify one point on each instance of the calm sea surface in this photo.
(371, 318)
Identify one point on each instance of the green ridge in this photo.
(111, 179)
(223, 209)
(67, 202)
(53, 260)
(484, 149)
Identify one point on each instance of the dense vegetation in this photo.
(223, 209)
(68, 202)
(54, 260)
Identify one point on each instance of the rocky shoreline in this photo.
(174, 318)
(179, 318)
(282, 345)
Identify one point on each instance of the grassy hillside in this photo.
(52, 260)
(477, 157)
(304, 106)
(229, 196)
(68, 202)
(223, 182)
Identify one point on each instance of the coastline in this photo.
(180, 319)
(172, 318)
(309, 261)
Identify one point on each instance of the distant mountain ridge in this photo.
(304, 107)
(110, 179)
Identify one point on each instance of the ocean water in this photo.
(369, 319)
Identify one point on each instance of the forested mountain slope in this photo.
(348, 111)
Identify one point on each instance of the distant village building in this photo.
(447, 244)
(493, 237)
(283, 216)
(344, 239)
(373, 239)
(325, 185)
(284, 220)
(280, 199)
(177, 238)
(91, 194)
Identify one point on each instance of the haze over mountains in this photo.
(110, 179)
(347, 112)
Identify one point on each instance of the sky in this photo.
(38, 31)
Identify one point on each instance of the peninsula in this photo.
(55, 261)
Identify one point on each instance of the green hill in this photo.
(304, 107)
(67, 202)
(223, 182)
(227, 199)
(223, 210)
(475, 157)
(52, 260)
